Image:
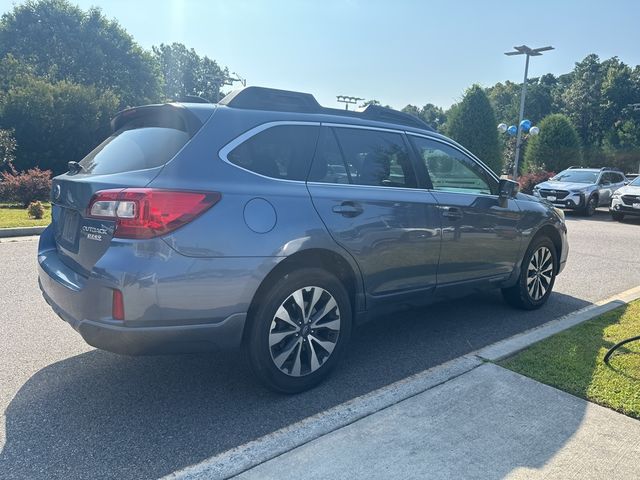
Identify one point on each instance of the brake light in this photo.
(149, 212)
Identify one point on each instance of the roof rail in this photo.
(261, 98)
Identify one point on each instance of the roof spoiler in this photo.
(173, 114)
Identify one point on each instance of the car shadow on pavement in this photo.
(101, 415)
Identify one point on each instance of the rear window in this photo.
(142, 143)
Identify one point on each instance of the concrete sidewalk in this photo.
(488, 423)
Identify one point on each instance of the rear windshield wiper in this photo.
(74, 167)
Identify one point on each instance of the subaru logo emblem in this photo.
(56, 191)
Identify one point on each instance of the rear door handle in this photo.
(348, 209)
(453, 213)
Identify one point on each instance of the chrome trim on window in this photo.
(229, 147)
(362, 127)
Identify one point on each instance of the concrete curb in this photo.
(20, 231)
(510, 346)
(244, 457)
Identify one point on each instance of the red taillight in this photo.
(117, 305)
(149, 212)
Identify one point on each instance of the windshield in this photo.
(636, 182)
(576, 176)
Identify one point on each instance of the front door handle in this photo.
(348, 209)
(452, 213)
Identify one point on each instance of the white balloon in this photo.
(534, 131)
(502, 127)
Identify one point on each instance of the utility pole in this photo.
(529, 52)
(346, 99)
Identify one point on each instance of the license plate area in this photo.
(551, 198)
(636, 205)
(69, 229)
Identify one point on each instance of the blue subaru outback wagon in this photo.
(270, 222)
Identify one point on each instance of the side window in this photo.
(607, 177)
(328, 164)
(452, 171)
(375, 157)
(283, 152)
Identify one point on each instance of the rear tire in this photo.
(299, 330)
(617, 216)
(537, 276)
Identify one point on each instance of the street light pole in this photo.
(529, 52)
(346, 99)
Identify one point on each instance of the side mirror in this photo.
(506, 189)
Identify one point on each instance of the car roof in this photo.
(270, 99)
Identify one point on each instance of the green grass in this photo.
(573, 360)
(16, 216)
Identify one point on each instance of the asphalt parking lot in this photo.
(71, 411)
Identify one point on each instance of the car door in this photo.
(606, 188)
(480, 239)
(363, 185)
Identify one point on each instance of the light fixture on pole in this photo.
(346, 99)
(529, 52)
(243, 81)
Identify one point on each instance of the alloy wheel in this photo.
(304, 331)
(539, 273)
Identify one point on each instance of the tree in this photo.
(59, 41)
(55, 123)
(556, 148)
(582, 100)
(433, 115)
(7, 147)
(186, 73)
(472, 123)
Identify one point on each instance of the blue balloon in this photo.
(512, 130)
(525, 125)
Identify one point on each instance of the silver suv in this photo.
(581, 189)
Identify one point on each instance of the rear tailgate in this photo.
(144, 140)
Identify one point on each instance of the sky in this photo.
(395, 51)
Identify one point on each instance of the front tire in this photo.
(299, 330)
(617, 216)
(537, 276)
(590, 207)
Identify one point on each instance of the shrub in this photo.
(35, 210)
(556, 147)
(25, 187)
(530, 180)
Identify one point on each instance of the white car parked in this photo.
(626, 201)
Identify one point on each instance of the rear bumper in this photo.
(118, 338)
(172, 303)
